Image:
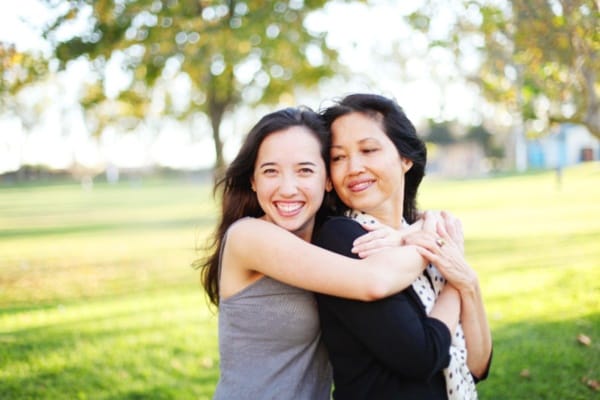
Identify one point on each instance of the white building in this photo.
(568, 145)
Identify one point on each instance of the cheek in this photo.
(317, 198)
(315, 190)
(262, 188)
(336, 176)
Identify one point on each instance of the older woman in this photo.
(410, 345)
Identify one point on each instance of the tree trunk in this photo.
(592, 113)
(215, 113)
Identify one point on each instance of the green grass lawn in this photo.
(98, 300)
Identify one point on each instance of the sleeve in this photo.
(395, 330)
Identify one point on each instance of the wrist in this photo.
(470, 286)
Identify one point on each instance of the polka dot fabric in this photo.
(459, 381)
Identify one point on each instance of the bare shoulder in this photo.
(253, 226)
(245, 233)
(238, 231)
(248, 226)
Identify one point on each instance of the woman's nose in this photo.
(288, 185)
(355, 165)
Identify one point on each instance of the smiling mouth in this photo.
(289, 208)
(360, 186)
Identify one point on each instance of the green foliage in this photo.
(98, 299)
(539, 58)
(485, 138)
(17, 70)
(439, 132)
(231, 51)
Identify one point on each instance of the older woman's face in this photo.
(366, 169)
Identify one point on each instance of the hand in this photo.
(444, 252)
(454, 228)
(379, 237)
(429, 220)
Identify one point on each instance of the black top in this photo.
(386, 349)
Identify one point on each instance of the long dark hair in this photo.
(238, 200)
(401, 132)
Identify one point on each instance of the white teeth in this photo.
(289, 207)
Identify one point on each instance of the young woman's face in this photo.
(366, 169)
(290, 179)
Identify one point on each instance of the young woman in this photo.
(409, 345)
(262, 268)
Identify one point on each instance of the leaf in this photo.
(205, 40)
(526, 44)
(584, 339)
(591, 383)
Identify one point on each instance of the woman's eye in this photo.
(306, 171)
(269, 171)
(337, 158)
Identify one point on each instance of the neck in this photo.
(394, 220)
(391, 217)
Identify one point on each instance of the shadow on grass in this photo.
(203, 391)
(128, 316)
(105, 227)
(87, 382)
(544, 360)
(107, 287)
(168, 350)
(154, 350)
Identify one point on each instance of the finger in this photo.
(429, 221)
(357, 248)
(454, 228)
(437, 261)
(449, 223)
(367, 237)
(371, 225)
(423, 240)
(430, 256)
(367, 253)
(378, 233)
(442, 232)
(427, 235)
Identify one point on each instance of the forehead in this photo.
(293, 142)
(358, 126)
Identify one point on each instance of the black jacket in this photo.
(386, 349)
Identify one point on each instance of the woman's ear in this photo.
(328, 185)
(406, 164)
(252, 184)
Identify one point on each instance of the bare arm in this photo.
(449, 258)
(381, 236)
(475, 326)
(254, 245)
(447, 307)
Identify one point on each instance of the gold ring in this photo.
(440, 242)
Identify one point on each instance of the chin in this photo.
(291, 226)
(362, 206)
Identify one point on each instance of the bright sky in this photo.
(355, 29)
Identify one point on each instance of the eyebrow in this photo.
(367, 139)
(270, 163)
